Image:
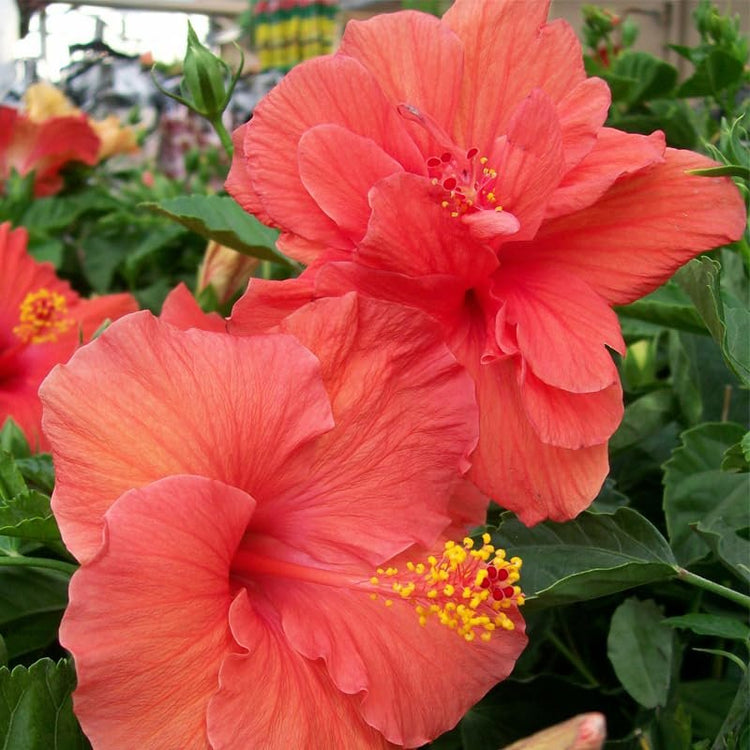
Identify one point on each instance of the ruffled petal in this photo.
(238, 183)
(571, 420)
(406, 422)
(90, 314)
(508, 53)
(615, 155)
(397, 49)
(147, 621)
(642, 229)
(338, 167)
(411, 233)
(272, 697)
(416, 682)
(561, 326)
(146, 400)
(181, 310)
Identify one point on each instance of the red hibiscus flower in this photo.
(461, 166)
(44, 147)
(42, 321)
(262, 522)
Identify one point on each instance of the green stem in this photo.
(573, 658)
(715, 588)
(224, 137)
(39, 562)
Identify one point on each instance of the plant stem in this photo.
(574, 659)
(39, 562)
(716, 588)
(224, 137)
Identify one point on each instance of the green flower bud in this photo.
(207, 80)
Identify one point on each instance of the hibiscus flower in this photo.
(461, 166)
(262, 522)
(44, 148)
(42, 321)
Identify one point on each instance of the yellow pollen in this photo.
(43, 316)
(465, 590)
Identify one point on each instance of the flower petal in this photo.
(406, 422)
(181, 310)
(615, 155)
(338, 167)
(643, 228)
(401, 667)
(562, 327)
(146, 400)
(272, 697)
(147, 621)
(397, 49)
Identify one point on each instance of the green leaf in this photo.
(720, 626)
(59, 212)
(38, 471)
(668, 306)
(32, 634)
(726, 543)
(643, 417)
(221, 219)
(12, 440)
(734, 730)
(28, 515)
(726, 319)
(36, 708)
(729, 170)
(609, 499)
(713, 74)
(640, 650)
(695, 490)
(593, 555)
(27, 591)
(707, 702)
(652, 78)
(11, 480)
(685, 374)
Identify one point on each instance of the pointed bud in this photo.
(207, 80)
(226, 271)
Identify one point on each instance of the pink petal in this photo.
(643, 228)
(397, 49)
(416, 682)
(511, 464)
(147, 621)
(615, 155)
(90, 314)
(529, 161)
(266, 303)
(273, 698)
(146, 400)
(562, 327)
(411, 233)
(486, 226)
(238, 183)
(507, 53)
(338, 168)
(406, 423)
(571, 420)
(336, 91)
(181, 310)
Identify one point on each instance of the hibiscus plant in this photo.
(442, 440)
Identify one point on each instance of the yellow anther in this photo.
(468, 542)
(498, 208)
(43, 316)
(432, 594)
(374, 581)
(445, 204)
(486, 637)
(483, 160)
(373, 596)
(450, 544)
(388, 602)
(449, 590)
(454, 214)
(516, 561)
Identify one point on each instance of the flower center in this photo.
(466, 590)
(43, 316)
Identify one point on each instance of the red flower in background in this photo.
(42, 321)
(44, 147)
(461, 166)
(232, 498)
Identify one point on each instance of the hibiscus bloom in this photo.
(44, 148)
(262, 522)
(42, 321)
(461, 166)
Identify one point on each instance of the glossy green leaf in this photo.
(651, 77)
(724, 539)
(28, 515)
(221, 219)
(721, 626)
(717, 71)
(38, 471)
(593, 555)
(32, 634)
(667, 306)
(726, 318)
(60, 211)
(12, 440)
(27, 591)
(708, 702)
(697, 491)
(36, 708)
(640, 649)
(11, 480)
(643, 417)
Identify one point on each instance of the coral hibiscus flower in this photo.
(461, 166)
(44, 148)
(42, 321)
(262, 523)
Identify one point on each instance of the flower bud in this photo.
(225, 270)
(206, 83)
